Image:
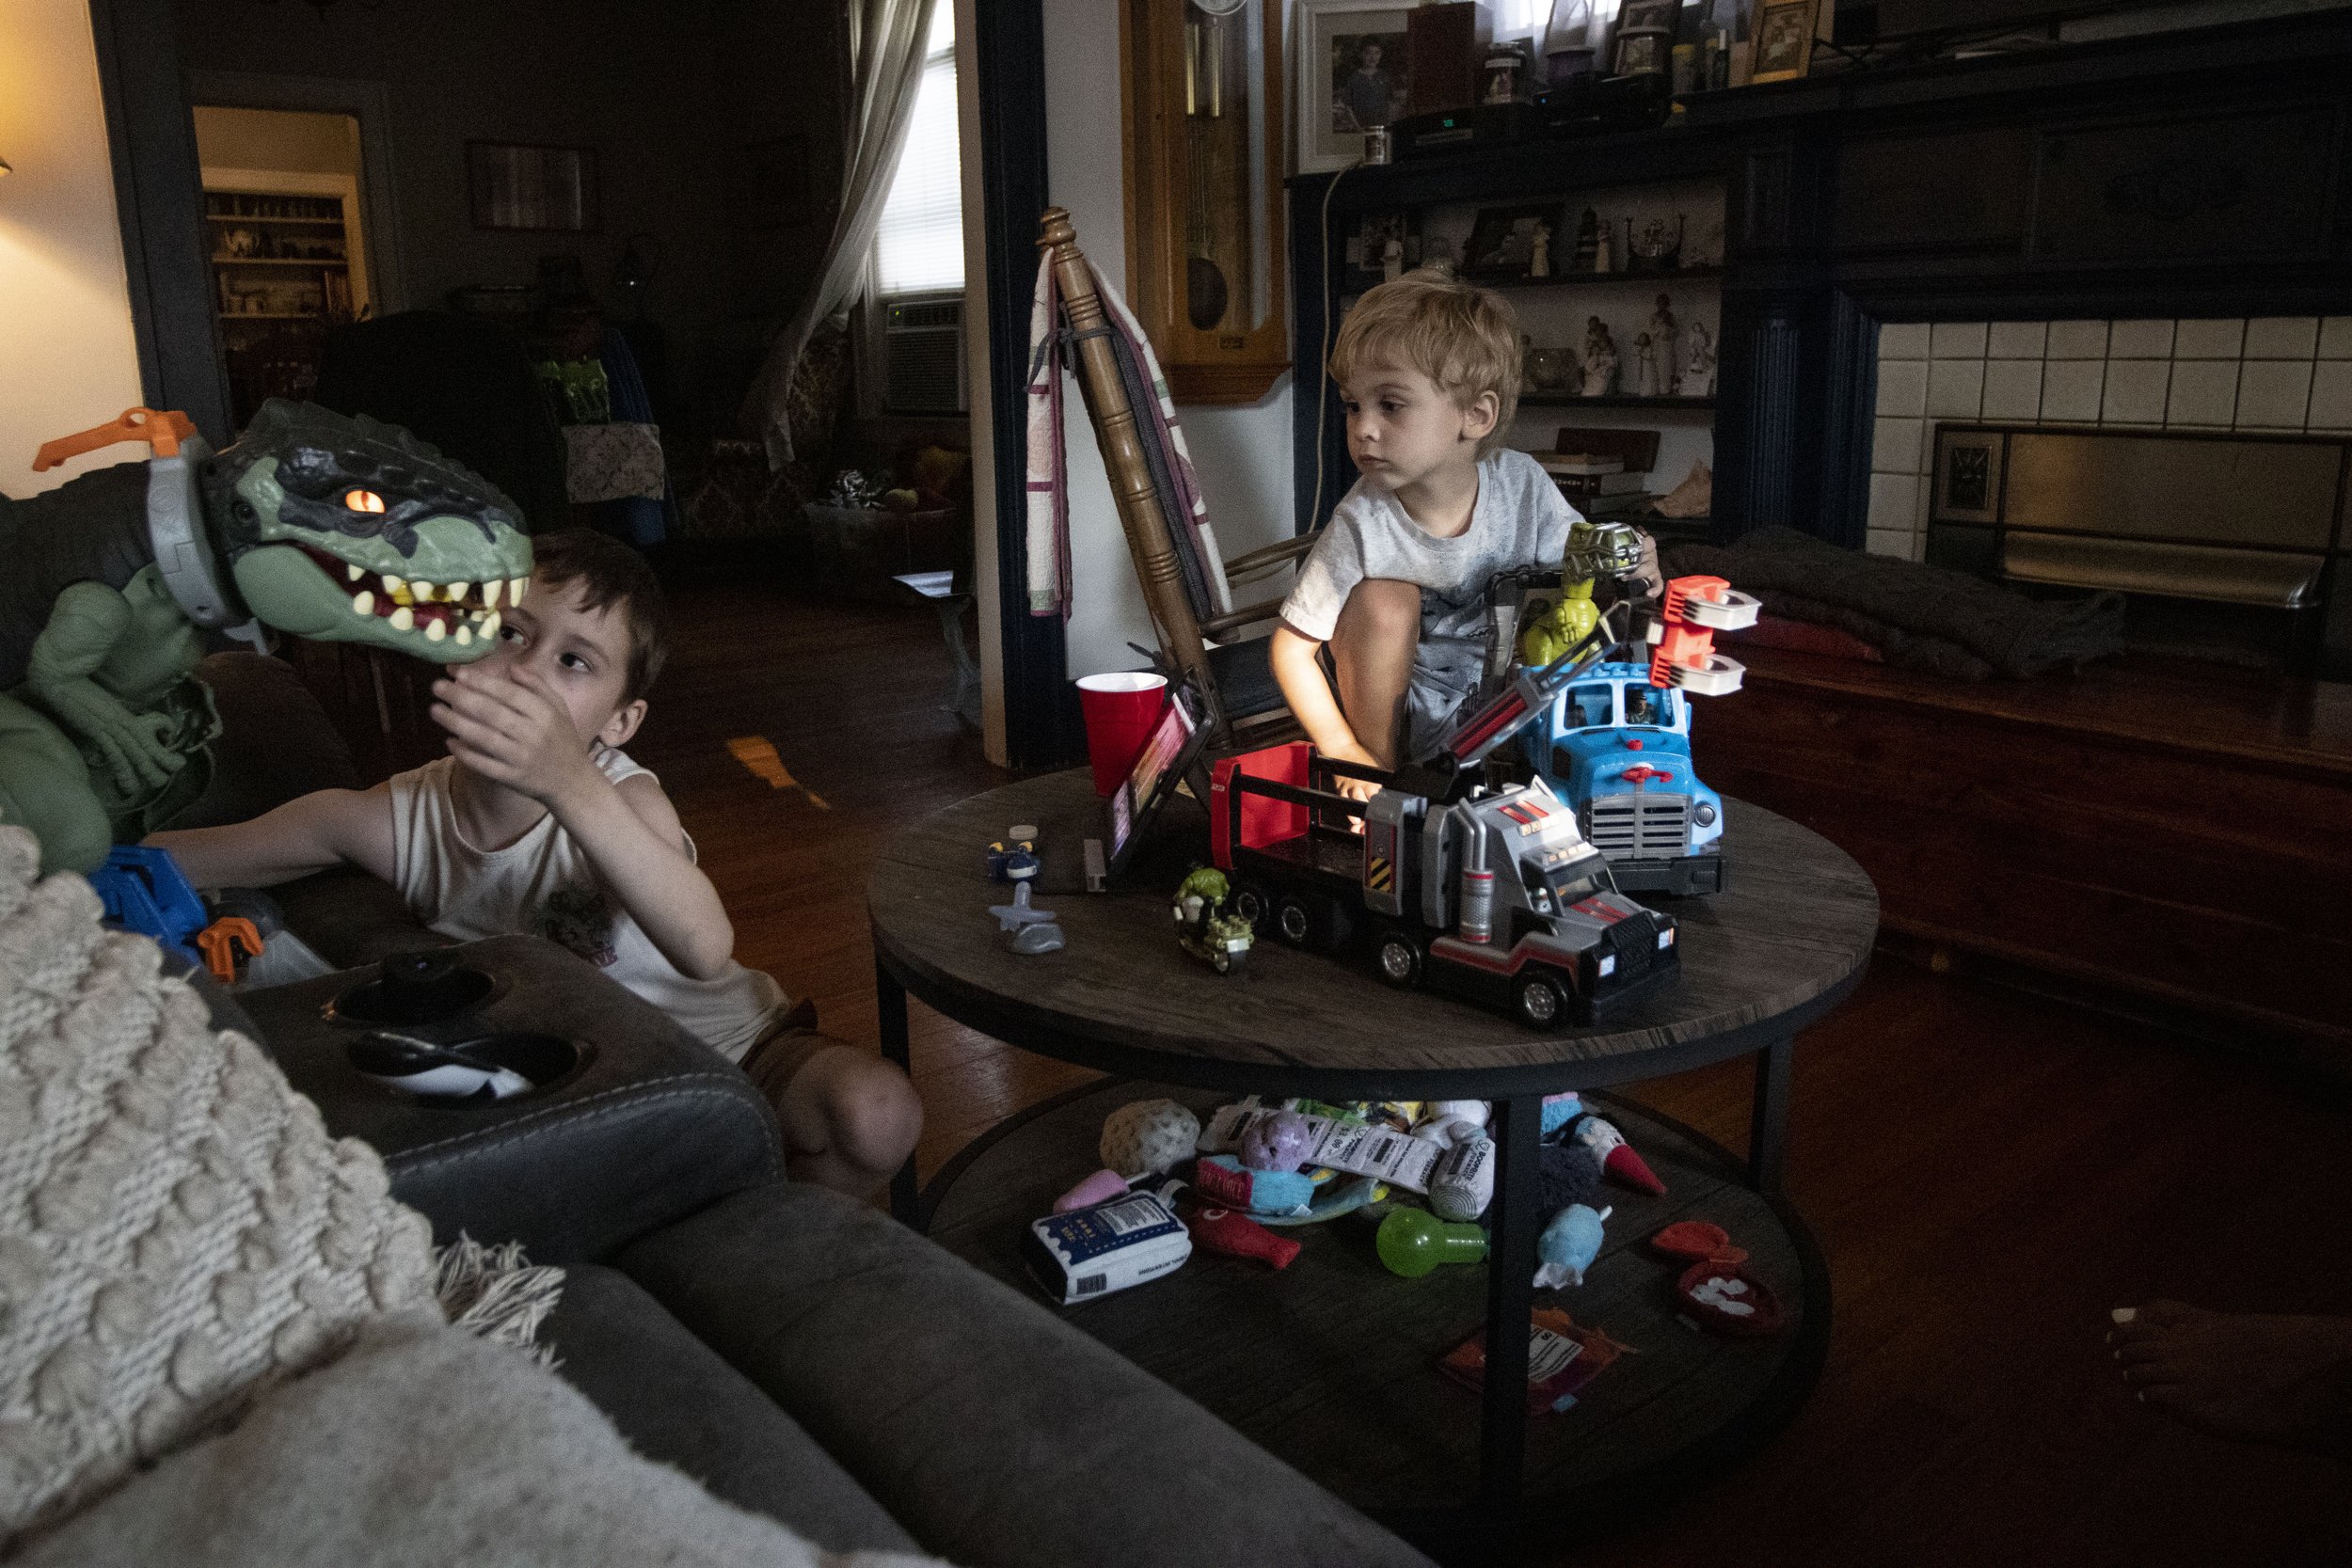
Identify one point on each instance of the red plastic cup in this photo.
(1120, 707)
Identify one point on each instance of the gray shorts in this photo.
(1448, 667)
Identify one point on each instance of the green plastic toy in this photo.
(1595, 549)
(312, 524)
(1412, 1242)
(1206, 929)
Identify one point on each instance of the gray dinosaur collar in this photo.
(183, 552)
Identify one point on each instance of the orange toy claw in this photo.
(163, 432)
(219, 942)
(1696, 609)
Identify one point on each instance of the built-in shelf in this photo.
(239, 217)
(1614, 400)
(1595, 280)
(234, 316)
(280, 261)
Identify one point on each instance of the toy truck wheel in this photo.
(1252, 903)
(1399, 960)
(1304, 920)
(1539, 1000)
(1293, 922)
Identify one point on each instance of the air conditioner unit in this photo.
(923, 355)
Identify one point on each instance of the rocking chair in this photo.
(1186, 585)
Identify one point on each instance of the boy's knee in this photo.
(1384, 608)
(871, 1113)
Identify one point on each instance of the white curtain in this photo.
(886, 47)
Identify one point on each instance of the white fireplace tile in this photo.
(2331, 395)
(2273, 394)
(2078, 340)
(2210, 339)
(2205, 392)
(1900, 543)
(2070, 389)
(1955, 388)
(2335, 337)
(2282, 336)
(2018, 340)
(2135, 393)
(1957, 340)
(1894, 446)
(2140, 339)
(1893, 501)
(1902, 388)
(2012, 388)
(1904, 341)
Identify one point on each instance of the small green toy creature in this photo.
(1205, 928)
(312, 524)
(1595, 551)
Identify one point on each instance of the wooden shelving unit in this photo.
(282, 277)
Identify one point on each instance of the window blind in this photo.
(918, 248)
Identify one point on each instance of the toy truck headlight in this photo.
(1607, 966)
(1703, 815)
(1665, 939)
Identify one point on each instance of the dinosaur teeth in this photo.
(352, 574)
(363, 603)
(458, 591)
(515, 590)
(394, 585)
(490, 592)
(404, 618)
(465, 636)
(436, 630)
(490, 625)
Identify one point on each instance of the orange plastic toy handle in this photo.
(220, 942)
(163, 432)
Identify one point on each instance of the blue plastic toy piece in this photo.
(1618, 751)
(143, 889)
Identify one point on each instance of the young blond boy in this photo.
(1428, 370)
(537, 822)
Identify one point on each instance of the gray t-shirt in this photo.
(1520, 520)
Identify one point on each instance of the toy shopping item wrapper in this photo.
(1357, 1150)
(1463, 1182)
(1561, 1359)
(1096, 1252)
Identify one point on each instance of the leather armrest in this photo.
(650, 1126)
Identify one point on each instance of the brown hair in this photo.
(1461, 337)
(610, 574)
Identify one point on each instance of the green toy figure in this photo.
(1205, 928)
(327, 527)
(1595, 551)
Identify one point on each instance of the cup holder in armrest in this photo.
(504, 1066)
(413, 989)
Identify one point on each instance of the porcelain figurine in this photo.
(1600, 360)
(1539, 258)
(1662, 329)
(1698, 363)
(1645, 366)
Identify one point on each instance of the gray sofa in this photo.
(803, 1355)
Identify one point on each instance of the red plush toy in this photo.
(1236, 1235)
(1717, 1289)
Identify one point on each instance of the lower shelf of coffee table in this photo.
(1331, 1363)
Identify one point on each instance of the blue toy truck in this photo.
(1618, 749)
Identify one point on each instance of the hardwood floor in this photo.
(1987, 1173)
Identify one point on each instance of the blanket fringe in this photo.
(495, 1293)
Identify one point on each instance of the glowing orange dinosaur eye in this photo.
(363, 500)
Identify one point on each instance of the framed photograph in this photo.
(1503, 241)
(1783, 39)
(1645, 16)
(514, 185)
(1353, 75)
(1642, 53)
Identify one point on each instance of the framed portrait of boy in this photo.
(1783, 39)
(1353, 76)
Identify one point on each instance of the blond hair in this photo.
(1463, 338)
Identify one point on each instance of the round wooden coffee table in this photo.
(1329, 1363)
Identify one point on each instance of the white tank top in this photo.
(543, 885)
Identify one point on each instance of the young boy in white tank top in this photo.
(537, 823)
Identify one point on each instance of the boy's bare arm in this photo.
(513, 731)
(330, 827)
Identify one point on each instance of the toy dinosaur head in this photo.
(351, 531)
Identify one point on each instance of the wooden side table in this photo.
(1330, 1361)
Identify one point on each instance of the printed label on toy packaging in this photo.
(1221, 1184)
(1351, 1146)
(1562, 1357)
(1093, 1252)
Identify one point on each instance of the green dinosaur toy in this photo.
(1595, 551)
(338, 529)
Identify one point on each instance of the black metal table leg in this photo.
(1510, 1291)
(1768, 1126)
(890, 1000)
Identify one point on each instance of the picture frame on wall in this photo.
(1352, 69)
(1502, 241)
(1783, 39)
(1649, 16)
(1642, 53)
(517, 186)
